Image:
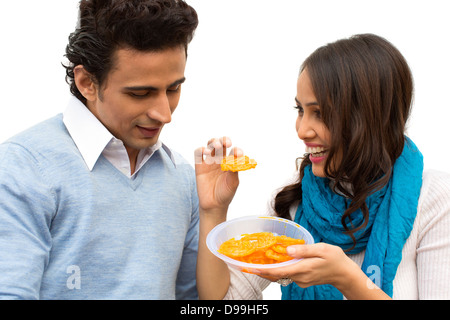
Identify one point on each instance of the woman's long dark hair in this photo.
(364, 88)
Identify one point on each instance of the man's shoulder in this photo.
(43, 138)
(45, 130)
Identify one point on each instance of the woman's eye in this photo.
(299, 109)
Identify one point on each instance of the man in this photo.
(93, 205)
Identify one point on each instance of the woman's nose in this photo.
(304, 128)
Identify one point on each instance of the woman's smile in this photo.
(316, 153)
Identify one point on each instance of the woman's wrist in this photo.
(355, 285)
(349, 276)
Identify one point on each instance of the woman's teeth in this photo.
(316, 151)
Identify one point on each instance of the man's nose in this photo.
(160, 109)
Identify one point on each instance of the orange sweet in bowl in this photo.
(259, 248)
(256, 242)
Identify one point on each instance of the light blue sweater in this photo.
(70, 233)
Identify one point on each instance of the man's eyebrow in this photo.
(309, 104)
(151, 88)
(177, 82)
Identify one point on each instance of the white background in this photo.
(241, 75)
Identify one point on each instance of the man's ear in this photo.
(85, 84)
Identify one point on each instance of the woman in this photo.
(381, 225)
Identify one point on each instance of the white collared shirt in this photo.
(93, 139)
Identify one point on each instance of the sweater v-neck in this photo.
(133, 182)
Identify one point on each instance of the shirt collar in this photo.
(83, 125)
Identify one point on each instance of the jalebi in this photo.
(234, 164)
(260, 248)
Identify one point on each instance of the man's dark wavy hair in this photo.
(107, 25)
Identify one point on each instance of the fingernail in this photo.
(291, 250)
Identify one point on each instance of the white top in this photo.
(423, 273)
(83, 126)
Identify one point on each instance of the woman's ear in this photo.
(85, 84)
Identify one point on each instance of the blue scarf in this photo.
(392, 211)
